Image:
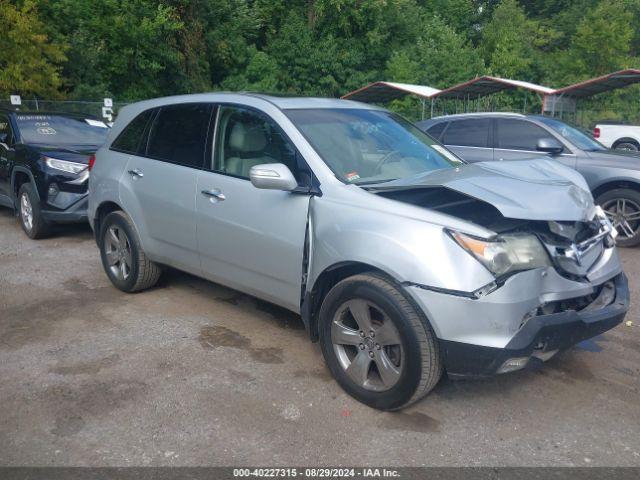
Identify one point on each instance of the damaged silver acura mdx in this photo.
(402, 260)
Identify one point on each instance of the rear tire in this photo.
(30, 213)
(123, 259)
(627, 145)
(395, 363)
(622, 206)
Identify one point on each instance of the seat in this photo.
(247, 142)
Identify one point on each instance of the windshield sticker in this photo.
(37, 118)
(351, 176)
(95, 123)
(443, 151)
(46, 131)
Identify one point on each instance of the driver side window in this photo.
(245, 138)
(6, 136)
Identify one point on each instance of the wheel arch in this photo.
(104, 209)
(324, 282)
(615, 184)
(625, 140)
(20, 176)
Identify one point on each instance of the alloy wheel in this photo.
(367, 345)
(26, 211)
(624, 215)
(118, 252)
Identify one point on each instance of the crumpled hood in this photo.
(523, 189)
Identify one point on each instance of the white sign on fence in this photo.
(16, 100)
(108, 102)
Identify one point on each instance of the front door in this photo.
(248, 238)
(6, 160)
(518, 140)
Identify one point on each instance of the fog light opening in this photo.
(53, 190)
(513, 364)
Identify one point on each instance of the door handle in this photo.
(214, 195)
(136, 173)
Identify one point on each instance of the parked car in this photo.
(613, 176)
(43, 166)
(618, 136)
(402, 260)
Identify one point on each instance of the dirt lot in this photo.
(192, 373)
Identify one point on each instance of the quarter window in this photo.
(179, 133)
(246, 138)
(130, 138)
(468, 133)
(519, 135)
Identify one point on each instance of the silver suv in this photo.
(613, 176)
(403, 261)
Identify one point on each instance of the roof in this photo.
(382, 92)
(486, 85)
(481, 114)
(620, 79)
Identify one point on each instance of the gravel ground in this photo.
(193, 373)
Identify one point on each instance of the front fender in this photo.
(407, 249)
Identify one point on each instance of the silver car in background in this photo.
(403, 261)
(613, 176)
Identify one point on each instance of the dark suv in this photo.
(613, 176)
(44, 159)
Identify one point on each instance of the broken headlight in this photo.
(506, 253)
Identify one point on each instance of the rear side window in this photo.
(519, 135)
(468, 133)
(179, 134)
(129, 139)
(437, 130)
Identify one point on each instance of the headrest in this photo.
(247, 138)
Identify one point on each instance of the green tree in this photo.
(30, 63)
(602, 41)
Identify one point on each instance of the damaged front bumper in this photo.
(510, 327)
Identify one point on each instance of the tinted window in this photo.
(54, 130)
(468, 133)
(519, 134)
(246, 138)
(129, 139)
(573, 135)
(5, 130)
(179, 133)
(437, 130)
(370, 146)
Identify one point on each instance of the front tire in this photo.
(377, 344)
(622, 206)
(30, 213)
(123, 259)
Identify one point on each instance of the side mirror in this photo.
(273, 176)
(549, 145)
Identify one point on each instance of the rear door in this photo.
(159, 184)
(252, 239)
(470, 139)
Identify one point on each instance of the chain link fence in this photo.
(93, 109)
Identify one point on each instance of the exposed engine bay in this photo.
(574, 246)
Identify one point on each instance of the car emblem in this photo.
(574, 253)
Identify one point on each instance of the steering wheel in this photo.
(386, 158)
